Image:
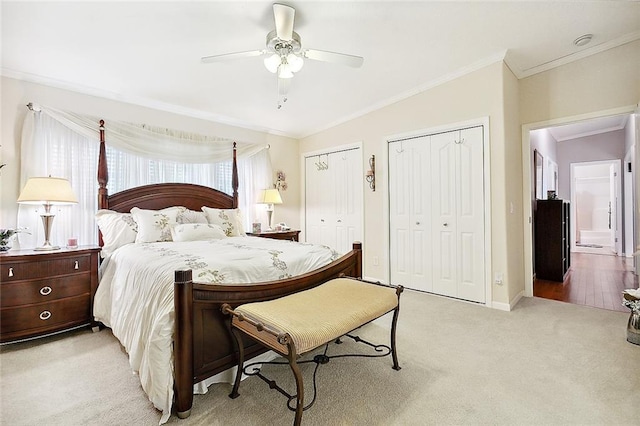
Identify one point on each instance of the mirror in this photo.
(538, 182)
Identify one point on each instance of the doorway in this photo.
(623, 119)
(596, 206)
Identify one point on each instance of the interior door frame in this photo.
(527, 214)
(486, 148)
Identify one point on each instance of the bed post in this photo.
(357, 247)
(234, 178)
(183, 342)
(103, 177)
(103, 174)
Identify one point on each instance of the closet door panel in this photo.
(470, 214)
(400, 241)
(313, 201)
(444, 223)
(410, 215)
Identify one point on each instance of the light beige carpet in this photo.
(546, 362)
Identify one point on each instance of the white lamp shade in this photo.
(295, 62)
(47, 190)
(284, 71)
(272, 63)
(270, 196)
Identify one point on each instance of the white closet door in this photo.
(443, 206)
(436, 212)
(458, 209)
(348, 199)
(333, 194)
(410, 214)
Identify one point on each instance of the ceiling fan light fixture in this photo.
(295, 62)
(284, 71)
(272, 63)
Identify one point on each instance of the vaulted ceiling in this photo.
(148, 53)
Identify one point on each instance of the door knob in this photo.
(417, 223)
(445, 224)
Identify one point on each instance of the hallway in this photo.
(593, 280)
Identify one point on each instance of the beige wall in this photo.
(608, 80)
(16, 94)
(477, 95)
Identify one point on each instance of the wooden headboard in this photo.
(162, 195)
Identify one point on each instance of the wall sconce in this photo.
(370, 176)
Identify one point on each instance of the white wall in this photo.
(16, 94)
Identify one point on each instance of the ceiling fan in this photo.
(284, 52)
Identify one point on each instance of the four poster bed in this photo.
(196, 332)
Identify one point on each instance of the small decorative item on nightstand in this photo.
(257, 228)
(6, 238)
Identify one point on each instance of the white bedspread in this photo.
(135, 295)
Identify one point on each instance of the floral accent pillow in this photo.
(230, 220)
(117, 230)
(154, 225)
(196, 232)
(190, 216)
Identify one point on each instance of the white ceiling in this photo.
(591, 127)
(148, 53)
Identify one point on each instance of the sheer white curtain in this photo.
(66, 145)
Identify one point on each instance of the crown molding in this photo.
(563, 60)
(139, 101)
(498, 57)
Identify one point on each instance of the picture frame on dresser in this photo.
(46, 292)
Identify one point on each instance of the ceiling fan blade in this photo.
(284, 16)
(231, 56)
(338, 58)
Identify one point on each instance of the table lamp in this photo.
(47, 191)
(270, 197)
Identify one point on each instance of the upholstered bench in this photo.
(298, 323)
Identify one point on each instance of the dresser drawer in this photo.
(44, 317)
(27, 270)
(38, 291)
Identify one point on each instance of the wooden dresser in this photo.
(46, 292)
(291, 235)
(552, 240)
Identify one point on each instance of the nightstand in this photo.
(291, 235)
(46, 292)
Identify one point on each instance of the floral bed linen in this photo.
(135, 295)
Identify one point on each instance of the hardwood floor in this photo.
(593, 280)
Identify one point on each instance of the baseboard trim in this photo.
(508, 306)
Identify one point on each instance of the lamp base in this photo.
(269, 215)
(47, 222)
(47, 248)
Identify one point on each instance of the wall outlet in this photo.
(499, 278)
(376, 261)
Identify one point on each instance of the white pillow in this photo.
(154, 225)
(190, 216)
(230, 220)
(196, 232)
(117, 230)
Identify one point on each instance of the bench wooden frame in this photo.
(283, 344)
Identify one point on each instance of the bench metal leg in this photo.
(394, 353)
(237, 338)
(297, 374)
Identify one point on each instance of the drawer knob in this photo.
(45, 291)
(10, 272)
(75, 266)
(45, 315)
